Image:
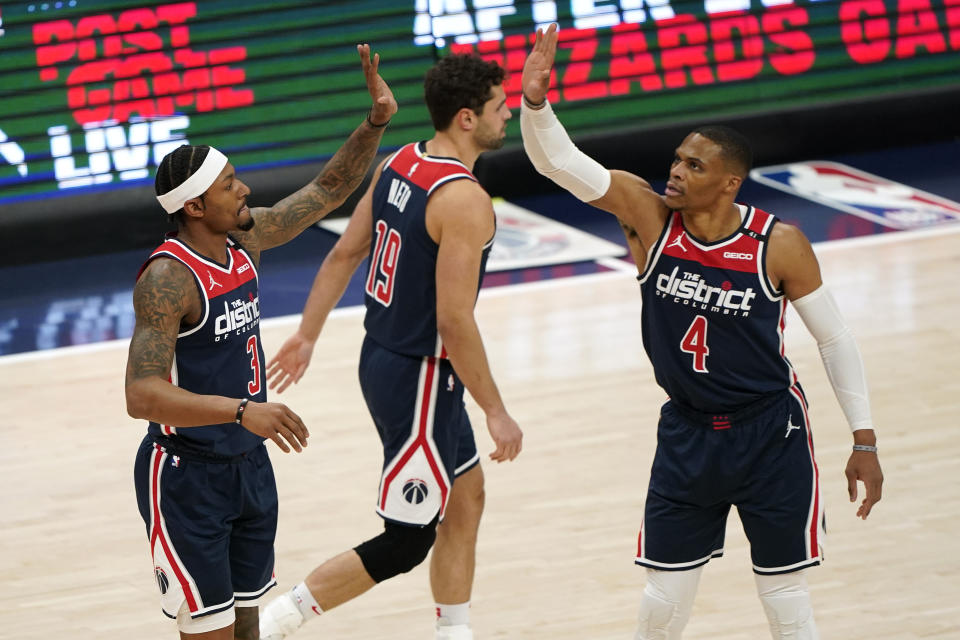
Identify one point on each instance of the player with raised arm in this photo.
(195, 370)
(427, 227)
(715, 278)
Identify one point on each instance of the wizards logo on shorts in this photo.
(415, 491)
(862, 194)
(162, 581)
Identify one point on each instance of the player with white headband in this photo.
(196, 185)
(196, 371)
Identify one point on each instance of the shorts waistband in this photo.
(726, 420)
(177, 447)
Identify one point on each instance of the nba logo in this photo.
(889, 203)
(450, 382)
(415, 491)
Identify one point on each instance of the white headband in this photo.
(195, 185)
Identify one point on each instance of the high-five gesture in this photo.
(536, 70)
(206, 418)
(384, 104)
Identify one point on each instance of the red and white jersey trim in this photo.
(815, 533)
(165, 555)
(414, 486)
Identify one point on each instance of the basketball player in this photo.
(715, 277)
(195, 370)
(427, 227)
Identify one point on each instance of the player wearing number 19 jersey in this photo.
(403, 343)
(426, 227)
(402, 303)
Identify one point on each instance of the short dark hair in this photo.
(457, 81)
(176, 167)
(734, 145)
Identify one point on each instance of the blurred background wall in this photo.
(94, 93)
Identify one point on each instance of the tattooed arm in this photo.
(339, 178)
(165, 296)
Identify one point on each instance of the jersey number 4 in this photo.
(383, 264)
(695, 342)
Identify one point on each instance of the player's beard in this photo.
(246, 226)
(494, 144)
(489, 140)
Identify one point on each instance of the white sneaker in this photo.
(279, 619)
(447, 632)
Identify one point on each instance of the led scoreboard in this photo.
(93, 93)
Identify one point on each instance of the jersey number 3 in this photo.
(253, 386)
(383, 264)
(695, 342)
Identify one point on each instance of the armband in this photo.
(240, 410)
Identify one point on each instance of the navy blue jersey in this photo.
(401, 292)
(222, 354)
(712, 321)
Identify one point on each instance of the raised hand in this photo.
(277, 422)
(536, 70)
(384, 104)
(288, 366)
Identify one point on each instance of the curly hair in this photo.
(176, 167)
(459, 81)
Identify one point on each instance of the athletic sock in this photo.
(452, 614)
(304, 600)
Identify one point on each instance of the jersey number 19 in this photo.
(383, 264)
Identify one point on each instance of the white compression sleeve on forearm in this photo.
(839, 353)
(555, 156)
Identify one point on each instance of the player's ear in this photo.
(466, 119)
(194, 207)
(733, 183)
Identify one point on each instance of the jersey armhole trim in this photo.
(653, 254)
(763, 244)
(196, 281)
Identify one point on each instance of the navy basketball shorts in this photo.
(760, 460)
(417, 407)
(211, 525)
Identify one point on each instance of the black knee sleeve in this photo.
(397, 550)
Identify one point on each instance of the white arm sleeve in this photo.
(840, 355)
(555, 156)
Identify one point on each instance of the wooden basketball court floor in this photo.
(555, 559)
